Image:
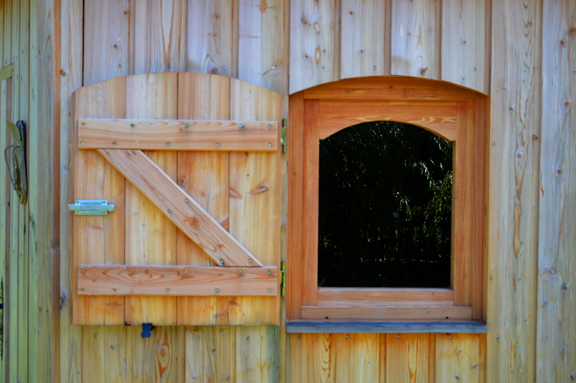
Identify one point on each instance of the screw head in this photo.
(497, 336)
(83, 124)
(222, 261)
(186, 200)
(346, 336)
(83, 271)
(373, 68)
(95, 335)
(132, 272)
(217, 290)
(398, 336)
(114, 290)
(269, 271)
(247, 338)
(185, 271)
(450, 337)
(82, 289)
(273, 66)
(249, 261)
(132, 125)
(269, 126)
(224, 67)
(187, 125)
(239, 271)
(167, 290)
(241, 126)
(198, 337)
(83, 142)
(217, 144)
(107, 153)
(269, 289)
(269, 144)
(114, 143)
(167, 144)
(169, 211)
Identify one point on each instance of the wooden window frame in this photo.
(454, 113)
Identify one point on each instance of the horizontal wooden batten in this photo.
(179, 207)
(385, 297)
(177, 280)
(415, 327)
(438, 117)
(436, 313)
(178, 135)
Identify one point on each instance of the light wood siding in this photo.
(436, 39)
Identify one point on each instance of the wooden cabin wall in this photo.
(526, 64)
(29, 281)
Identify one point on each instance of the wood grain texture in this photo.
(313, 44)
(178, 135)
(465, 52)
(211, 354)
(179, 208)
(104, 354)
(513, 188)
(106, 51)
(386, 313)
(255, 199)
(159, 31)
(407, 358)
(261, 58)
(364, 49)
(458, 357)
(311, 358)
(177, 280)
(151, 238)
(97, 239)
(439, 118)
(403, 327)
(212, 37)
(386, 297)
(157, 358)
(205, 177)
(416, 38)
(357, 357)
(257, 354)
(556, 302)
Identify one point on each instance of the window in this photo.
(452, 113)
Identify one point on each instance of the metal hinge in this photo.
(283, 282)
(91, 207)
(284, 137)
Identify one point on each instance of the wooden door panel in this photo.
(241, 191)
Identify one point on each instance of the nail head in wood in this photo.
(269, 271)
(239, 271)
(167, 144)
(167, 290)
(217, 290)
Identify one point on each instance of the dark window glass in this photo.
(385, 207)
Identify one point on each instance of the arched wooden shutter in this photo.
(191, 164)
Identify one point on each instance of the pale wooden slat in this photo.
(205, 176)
(416, 38)
(364, 50)
(261, 58)
(556, 298)
(104, 353)
(211, 354)
(177, 280)
(357, 357)
(311, 357)
(458, 357)
(513, 189)
(158, 29)
(313, 50)
(257, 354)
(439, 118)
(465, 57)
(212, 37)
(178, 135)
(386, 313)
(384, 297)
(255, 200)
(407, 358)
(93, 178)
(179, 207)
(106, 50)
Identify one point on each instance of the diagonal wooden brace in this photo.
(179, 207)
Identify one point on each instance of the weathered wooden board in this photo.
(177, 280)
(385, 297)
(178, 135)
(386, 313)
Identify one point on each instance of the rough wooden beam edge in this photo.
(181, 280)
(179, 207)
(6, 72)
(468, 327)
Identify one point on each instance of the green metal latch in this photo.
(283, 282)
(18, 176)
(91, 207)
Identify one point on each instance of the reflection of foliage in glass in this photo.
(385, 207)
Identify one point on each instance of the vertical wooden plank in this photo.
(205, 177)
(295, 212)
(210, 354)
(255, 200)
(97, 239)
(513, 190)
(556, 313)
(106, 50)
(313, 43)
(260, 45)
(257, 354)
(70, 71)
(311, 358)
(364, 50)
(212, 37)
(151, 238)
(7, 33)
(464, 44)
(104, 354)
(357, 357)
(407, 358)
(4, 235)
(153, 359)
(458, 358)
(416, 38)
(159, 43)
